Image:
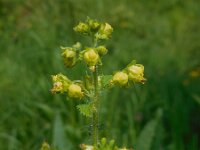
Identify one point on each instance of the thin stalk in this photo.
(96, 107)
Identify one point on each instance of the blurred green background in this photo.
(163, 114)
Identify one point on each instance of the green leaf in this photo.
(133, 62)
(145, 138)
(105, 80)
(196, 98)
(85, 109)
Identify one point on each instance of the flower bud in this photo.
(102, 50)
(104, 32)
(120, 78)
(60, 83)
(93, 24)
(75, 91)
(108, 29)
(77, 46)
(92, 68)
(45, 146)
(82, 28)
(136, 73)
(91, 57)
(69, 57)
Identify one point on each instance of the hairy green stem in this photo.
(96, 107)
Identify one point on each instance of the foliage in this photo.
(162, 35)
(85, 109)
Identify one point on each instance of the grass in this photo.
(164, 36)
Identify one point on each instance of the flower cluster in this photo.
(101, 31)
(61, 84)
(76, 53)
(91, 56)
(132, 73)
(89, 89)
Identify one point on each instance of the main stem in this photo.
(96, 107)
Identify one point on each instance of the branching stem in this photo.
(95, 107)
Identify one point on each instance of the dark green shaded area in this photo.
(162, 35)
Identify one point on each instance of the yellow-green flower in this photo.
(77, 46)
(93, 24)
(108, 28)
(104, 32)
(45, 146)
(75, 91)
(91, 57)
(60, 83)
(136, 73)
(102, 50)
(69, 57)
(57, 87)
(120, 78)
(82, 28)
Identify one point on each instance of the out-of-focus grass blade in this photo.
(60, 141)
(146, 136)
(196, 98)
(12, 140)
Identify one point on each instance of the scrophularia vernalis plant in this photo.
(88, 91)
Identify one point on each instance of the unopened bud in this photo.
(45, 146)
(91, 57)
(120, 78)
(92, 68)
(108, 29)
(75, 91)
(82, 28)
(77, 46)
(102, 50)
(69, 57)
(136, 73)
(104, 32)
(94, 25)
(103, 141)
